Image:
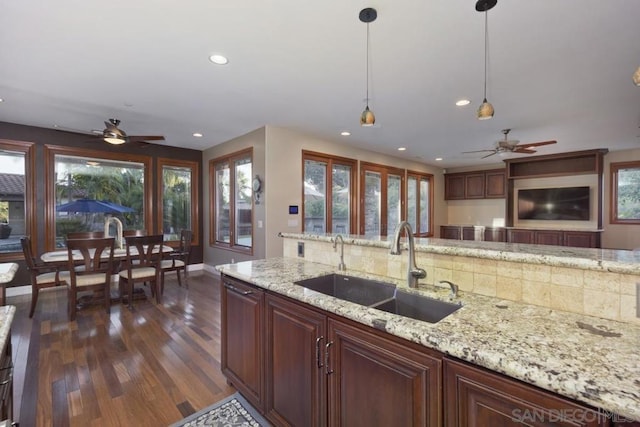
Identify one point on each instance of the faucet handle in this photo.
(453, 286)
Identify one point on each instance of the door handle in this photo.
(327, 368)
(236, 290)
(318, 353)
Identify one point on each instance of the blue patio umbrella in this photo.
(93, 206)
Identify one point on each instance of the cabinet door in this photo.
(495, 234)
(475, 397)
(469, 233)
(450, 232)
(242, 338)
(454, 187)
(380, 382)
(295, 376)
(474, 186)
(549, 237)
(581, 239)
(520, 236)
(495, 184)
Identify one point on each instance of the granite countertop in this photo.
(611, 260)
(592, 360)
(7, 271)
(6, 318)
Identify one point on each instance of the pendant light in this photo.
(636, 77)
(485, 111)
(367, 118)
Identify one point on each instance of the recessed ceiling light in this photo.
(402, 148)
(218, 59)
(438, 159)
(345, 133)
(1, 100)
(197, 134)
(463, 102)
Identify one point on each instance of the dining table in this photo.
(60, 258)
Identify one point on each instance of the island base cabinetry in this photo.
(476, 397)
(242, 333)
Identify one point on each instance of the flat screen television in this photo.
(567, 203)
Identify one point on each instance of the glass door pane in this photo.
(176, 201)
(223, 200)
(412, 198)
(315, 201)
(341, 196)
(372, 203)
(244, 203)
(424, 206)
(394, 206)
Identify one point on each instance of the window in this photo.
(328, 193)
(179, 196)
(625, 193)
(17, 203)
(231, 201)
(420, 203)
(87, 187)
(382, 196)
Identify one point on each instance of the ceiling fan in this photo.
(116, 136)
(511, 146)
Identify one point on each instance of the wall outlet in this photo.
(301, 249)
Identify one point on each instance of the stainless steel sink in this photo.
(353, 289)
(417, 307)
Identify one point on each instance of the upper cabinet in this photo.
(489, 184)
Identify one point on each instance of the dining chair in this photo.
(142, 265)
(42, 276)
(129, 233)
(92, 272)
(85, 235)
(178, 260)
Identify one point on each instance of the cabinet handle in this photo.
(327, 369)
(318, 354)
(236, 290)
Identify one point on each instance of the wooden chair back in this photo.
(148, 250)
(129, 233)
(27, 250)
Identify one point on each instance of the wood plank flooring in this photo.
(149, 366)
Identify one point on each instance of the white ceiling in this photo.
(559, 69)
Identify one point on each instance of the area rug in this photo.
(230, 412)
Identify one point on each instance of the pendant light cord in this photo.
(367, 65)
(486, 37)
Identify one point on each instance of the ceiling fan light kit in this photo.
(636, 77)
(485, 111)
(116, 136)
(367, 118)
(506, 146)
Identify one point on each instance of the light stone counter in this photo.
(589, 359)
(6, 317)
(609, 260)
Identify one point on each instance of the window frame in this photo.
(195, 196)
(213, 189)
(614, 168)
(28, 149)
(330, 160)
(50, 152)
(421, 176)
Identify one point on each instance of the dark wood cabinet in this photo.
(242, 330)
(548, 237)
(520, 236)
(454, 187)
(478, 397)
(582, 239)
(495, 234)
(377, 381)
(495, 184)
(295, 375)
(450, 232)
(489, 184)
(474, 185)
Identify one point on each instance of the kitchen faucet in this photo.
(341, 266)
(413, 272)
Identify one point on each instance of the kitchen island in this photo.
(586, 358)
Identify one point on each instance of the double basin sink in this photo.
(380, 295)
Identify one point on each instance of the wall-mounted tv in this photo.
(567, 203)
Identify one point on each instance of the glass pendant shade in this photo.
(636, 77)
(367, 118)
(485, 111)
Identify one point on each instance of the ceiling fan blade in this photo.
(536, 144)
(476, 151)
(523, 150)
(489, 155)
(139, 138)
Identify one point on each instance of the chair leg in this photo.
(34, 300)
(72, 305)
(186, 277)
(107, 297)
(178, 274)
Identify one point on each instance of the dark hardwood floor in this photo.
(149, 366)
